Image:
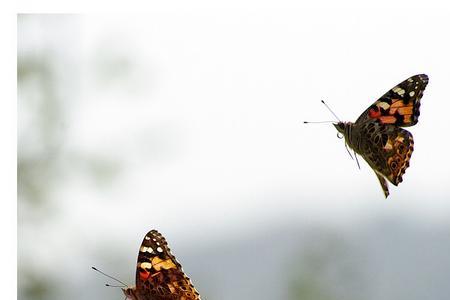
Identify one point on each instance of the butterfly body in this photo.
(377, 135)
(159, 276)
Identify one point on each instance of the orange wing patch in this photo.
(387, 119)
(394, 113)
(159, 264)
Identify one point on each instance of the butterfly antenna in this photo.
(115, 286)
(331, 111)
(104, 274)
(317, 122)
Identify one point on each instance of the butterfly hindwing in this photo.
(387, 149)
(159, 275)
(400, 106)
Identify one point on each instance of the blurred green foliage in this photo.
(326, 263)
(44, 163)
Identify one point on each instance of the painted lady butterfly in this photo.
(377, 134)
(159, 276)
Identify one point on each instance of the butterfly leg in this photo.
(348, 151)
(356, 157)
(357, 161)
(384, 184)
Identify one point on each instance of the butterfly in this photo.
(377, 135)
(159, 276)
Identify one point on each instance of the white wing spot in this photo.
(146, 249)
(147, 238)
(384, 105)
(159, 249)
(411, 93)
(146, 265)
(398, 90)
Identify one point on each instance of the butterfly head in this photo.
(340, 127)
(344, 130)
(130, 293)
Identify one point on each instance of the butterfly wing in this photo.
(159, 276)
(387, 149)
(400, 105)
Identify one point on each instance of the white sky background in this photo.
(208, 122)
(226, 91)
(220, 95)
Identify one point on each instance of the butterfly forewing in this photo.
(159, 275)
(400, 105)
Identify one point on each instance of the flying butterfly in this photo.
(377, 135)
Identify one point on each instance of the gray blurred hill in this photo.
(386, 259)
